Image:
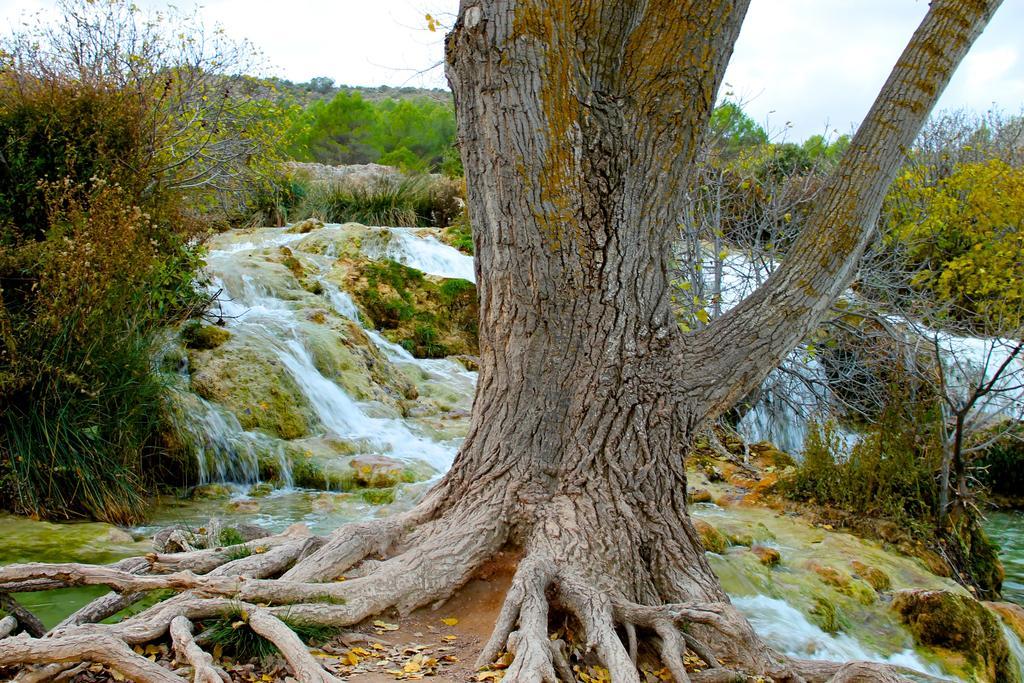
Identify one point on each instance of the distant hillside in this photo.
(323, 88)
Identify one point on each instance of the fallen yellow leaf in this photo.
(450, 621)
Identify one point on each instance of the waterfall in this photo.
(1016, 648)
(798, 392)
(787, 629)
(259, 306)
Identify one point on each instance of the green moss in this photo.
(252, 383)
(378, 496)
(962, 625)
(827, 615)
(711, 538)
(430, 317)
(210, 492)
(196, 335)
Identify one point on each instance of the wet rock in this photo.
(431, 317)
(245, 505)
(116, 535)
(844, 583)
(830, 575)
(1012, 615)
(700, 496)
(471, 363)
(251, 382)
(210, 492)
(306, 226)
(261, 490)
(711, 538)
(196, 335)
(378, 471)
(769, 557)
(936, 565)
(826, 615)
(967, 636)
(875, 577)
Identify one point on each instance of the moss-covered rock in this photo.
(252, 383)
(343, 353)
(1011, 614)
(210, 492)
(875, 577)
(306, 226)
(767, 556)
(827, 615)
(711, 538)
(844, 583)
(431, 317)
(196, 335)
(700, 496)
(967, 635)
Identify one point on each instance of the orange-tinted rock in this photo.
(877, 578)
(769, 557)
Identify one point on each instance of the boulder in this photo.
(963, 628)
(711, 538)
(769, 557)
(700, 496)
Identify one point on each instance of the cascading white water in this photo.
(427, 253)
(787, 629)
(1016, 648)
(255, 307)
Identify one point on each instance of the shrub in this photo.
(889, 473)
(100, 232)
(80, 399)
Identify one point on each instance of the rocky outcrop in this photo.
(966, 634)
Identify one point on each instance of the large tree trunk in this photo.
(579, 121)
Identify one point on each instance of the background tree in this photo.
(580, 123)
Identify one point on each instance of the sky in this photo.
(800, 67)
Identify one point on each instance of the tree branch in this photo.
(754, 337)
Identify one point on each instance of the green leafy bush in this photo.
(123, 139)
(889, 473)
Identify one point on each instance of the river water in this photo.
(1007, 529)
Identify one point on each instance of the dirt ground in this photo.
(453, 634)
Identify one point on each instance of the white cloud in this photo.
(816, 63)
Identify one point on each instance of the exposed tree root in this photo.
(204, 670)
(7, 626)
(403, 563)
(29, 622)
(91, 647)
(305, 668)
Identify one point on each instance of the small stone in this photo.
(877, 578)
(700, 496)
(769, 557)
(711, 538)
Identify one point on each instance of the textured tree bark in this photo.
(579, 121)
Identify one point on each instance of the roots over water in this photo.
(566, 575)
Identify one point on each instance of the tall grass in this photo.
(396, 201)
(73, 443)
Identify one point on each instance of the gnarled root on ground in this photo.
(412, 560)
